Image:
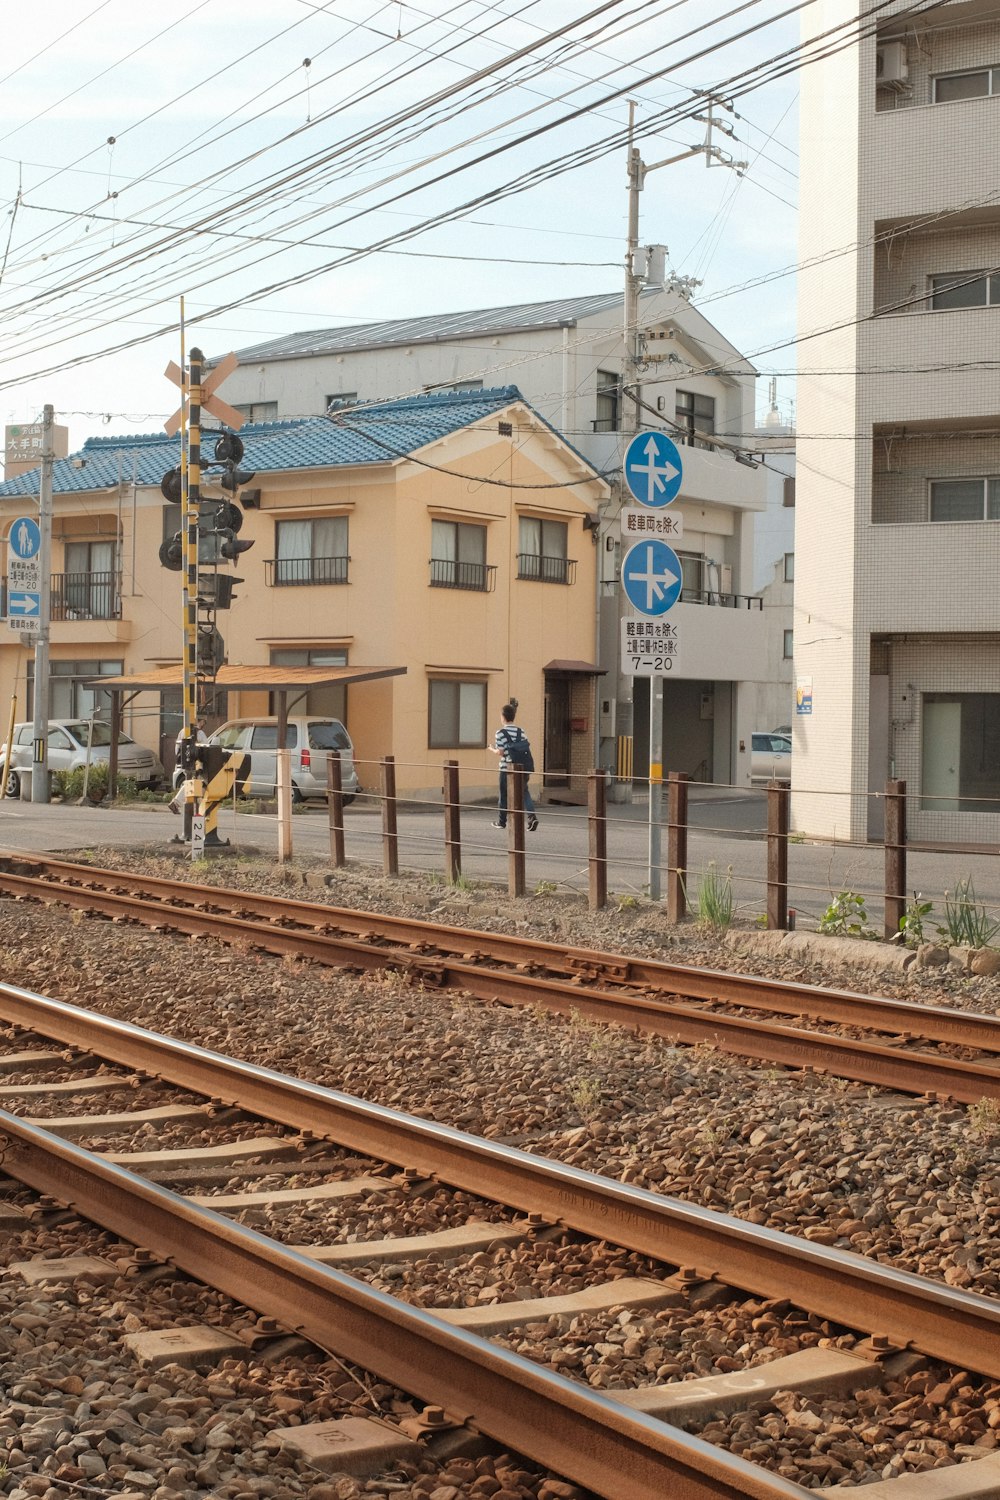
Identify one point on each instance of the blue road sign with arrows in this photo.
(24, 604)
(653, 468)
(651, 577)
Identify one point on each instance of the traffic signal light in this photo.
(170, 486)
(231, 546)
(229, 451)
(211, 651)
(215, 590)
(172, 553)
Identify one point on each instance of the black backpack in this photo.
(519, 750)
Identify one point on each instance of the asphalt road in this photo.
(726, 829)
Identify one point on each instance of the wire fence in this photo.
(718, 850)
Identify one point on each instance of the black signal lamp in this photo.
(229, 448)
(170, 486)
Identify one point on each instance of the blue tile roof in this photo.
(369, 433)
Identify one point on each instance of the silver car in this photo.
(308, 737)
(67, 751)
(770, 757)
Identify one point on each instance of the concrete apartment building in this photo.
(448, 537)
(566, 357)
(897, 619)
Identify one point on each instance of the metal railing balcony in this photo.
(724, 601)
(300, 572)
(85, 596)
(539, 569)
(446, 573)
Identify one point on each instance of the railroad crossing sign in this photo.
(209, 401)
(653, 468)
(24, 574)
(651, 577)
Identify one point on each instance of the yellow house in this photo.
(453, 534)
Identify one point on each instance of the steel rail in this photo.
(864, 1061)
(910, 1311)
(931, 1023)
(582, 1434)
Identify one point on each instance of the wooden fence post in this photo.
(452, 824)
(895, 856)
(335, 804)
(390, 838)
(777, 855)
(597, 830)
(677, 844)
(516, 782)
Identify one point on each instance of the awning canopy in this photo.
(581, 668)
(231, 678)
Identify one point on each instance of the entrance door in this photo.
(556, 765)
(942, 756)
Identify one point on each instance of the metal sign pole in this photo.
(39, 753)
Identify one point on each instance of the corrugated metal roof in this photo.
(437, 329)
(162, 679)
(370, 433)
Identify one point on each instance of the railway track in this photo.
(895, 1044)
(197, 1120)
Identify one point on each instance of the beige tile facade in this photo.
(892, 608)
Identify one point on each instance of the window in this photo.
(788, 652)
(331, 700)
(456, 715)
(458, 556)
(607, 401)
(342, 398)
(694, 414)
(310, 552)
(69, 695)
(964, 289)
(692, 577)
(88, 588)
(789, 567)
(960, 752)
(257, 411)
(541, 551)
(972, 85)
(965, 499)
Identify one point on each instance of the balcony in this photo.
(537, 569)
(85, 596)
(301, 572)
(446, 573)
(721, 601)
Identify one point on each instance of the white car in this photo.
(770, 756)
(67, 751)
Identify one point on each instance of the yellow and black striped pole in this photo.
(190, 497)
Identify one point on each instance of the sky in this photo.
(282, 165)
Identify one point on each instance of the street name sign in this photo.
(653, 468)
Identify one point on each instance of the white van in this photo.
(309, 737)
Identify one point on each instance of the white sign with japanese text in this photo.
(650, 648)
(665, 524)
(23, 444)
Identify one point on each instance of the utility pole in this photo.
(40, 736)
(639, 267)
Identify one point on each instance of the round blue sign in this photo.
(653, 468)
(24, 538)
(652, 577)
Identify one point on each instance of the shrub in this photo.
(846, 916)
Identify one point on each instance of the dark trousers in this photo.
(529, 806)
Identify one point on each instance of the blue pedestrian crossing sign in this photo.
(24, 538)
(651, 577)
(653, 468)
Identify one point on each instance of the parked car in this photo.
(67, 751)
(309, 737)
(770, 756)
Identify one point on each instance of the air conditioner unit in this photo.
(890, 64)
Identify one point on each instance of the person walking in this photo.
(514, 748)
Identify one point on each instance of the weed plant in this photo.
(966, 920)
(715, 897)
